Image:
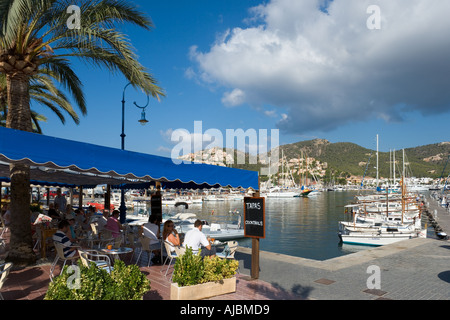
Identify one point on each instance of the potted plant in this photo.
(196, 278)
(93, 283)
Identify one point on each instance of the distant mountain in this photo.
(342, 159)
(424, 161)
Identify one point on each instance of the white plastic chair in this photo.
(133, 244)
(4, 227)
(5, 268)
(179, 252)
(102, 261)
(145, 242)
(170, 255)
(60, 256)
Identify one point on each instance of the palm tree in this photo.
(35, 35)
(43, 90)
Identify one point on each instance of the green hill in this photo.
(345, 159)
(424, 161)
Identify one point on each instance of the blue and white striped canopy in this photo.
(61, 162)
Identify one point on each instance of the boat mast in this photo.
(403, 197)
(387, 202)
(377, 160)
(394, 167)
(403, 185)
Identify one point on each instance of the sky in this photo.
(339, 70)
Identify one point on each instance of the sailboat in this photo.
(304, 191)
(282, 192)
(382, 228)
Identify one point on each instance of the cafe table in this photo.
(116, 252)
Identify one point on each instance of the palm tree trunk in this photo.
(19, 117)
(19, 114)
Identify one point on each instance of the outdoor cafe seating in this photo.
(102, 261)
(60, 256)
(5, 268)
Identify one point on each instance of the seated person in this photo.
(113, 224)
(101, 222)
(170, 235)
(61, 237)
(151, 230)
(196, 239)
(71, 233)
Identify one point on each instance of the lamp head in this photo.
(143, 121)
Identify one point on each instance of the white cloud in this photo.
(233, 98)
(326, 69)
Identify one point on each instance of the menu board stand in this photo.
(156, 206)
(254, 227)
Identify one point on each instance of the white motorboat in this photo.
(379, 237)
(213, 197)
(281, 193)
(220, 231)
(168, 201)
(116, 201)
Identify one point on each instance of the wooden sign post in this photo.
(156, 206)
(254, 227)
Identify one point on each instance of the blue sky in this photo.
(278, 65)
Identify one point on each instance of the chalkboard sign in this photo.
(156, 206)
(254, 217)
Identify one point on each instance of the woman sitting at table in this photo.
(113, 224)
(170, 235)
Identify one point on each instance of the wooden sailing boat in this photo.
(383, 232)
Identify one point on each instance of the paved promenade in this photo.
(411, 269)
(417, 269)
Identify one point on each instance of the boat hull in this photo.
(368, 239)
(279, 195)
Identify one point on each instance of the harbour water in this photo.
(301, 227)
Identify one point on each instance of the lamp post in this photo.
(142, 121)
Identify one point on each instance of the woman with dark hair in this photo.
(114, 225)
(170, 235)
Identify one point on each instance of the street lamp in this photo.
(142, 121)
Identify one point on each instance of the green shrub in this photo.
(191, 269)
(124, 283)
(188, 269)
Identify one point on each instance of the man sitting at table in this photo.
(151, 230)
(196, 239)
(61, 237)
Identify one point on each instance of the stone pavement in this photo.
(409, 270)
(416, 269)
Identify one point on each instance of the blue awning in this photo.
(71, 163)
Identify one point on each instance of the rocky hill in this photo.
(422, 161)
(342, 159)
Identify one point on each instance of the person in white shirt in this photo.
(60, 201)
(196, 239)
(151, 231)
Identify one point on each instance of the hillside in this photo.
(348, 157)
(341, 159)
